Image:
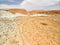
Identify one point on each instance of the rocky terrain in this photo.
(21, 27)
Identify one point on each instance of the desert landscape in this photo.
(36, 27)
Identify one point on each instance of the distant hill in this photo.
(53, 12)
(36, 11)
(45, 12)
(23, 11)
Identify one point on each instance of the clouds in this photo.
(5, 6)
(28, 4)
(11, 2)
(7, 0)
(43, 2)
(38, 4)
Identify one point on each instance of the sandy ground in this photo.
(33, 30)
(40, 30)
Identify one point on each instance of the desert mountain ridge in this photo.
(23, 11)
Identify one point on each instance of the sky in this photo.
(31, 4)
